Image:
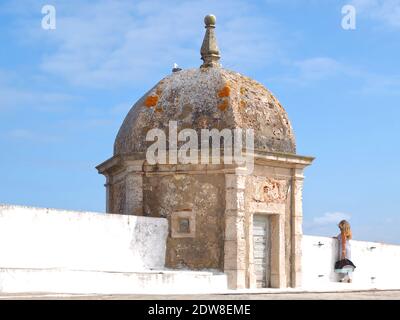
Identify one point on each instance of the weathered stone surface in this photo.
(236, 279)
(134, 194)
(268, 189)
(235, 254)
(234, 200)
(118, 197)
(208, 98)
(201, 195)
(234, 181)
(234, 228)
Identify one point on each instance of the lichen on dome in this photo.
(209, 97)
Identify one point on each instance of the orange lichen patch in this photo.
(151, 101)
(224, 105)
(243, 103)
(242, 90)
(224, 92)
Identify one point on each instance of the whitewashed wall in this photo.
(378, 264)
(48, 238)
(42, 239)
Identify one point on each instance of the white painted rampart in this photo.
(36, 238)
(378, 264)
(56, 251)
(48, 250)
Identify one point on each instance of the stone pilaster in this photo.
(251, 277)
(235, 240)
(297, 221)
(134, 189)
(278, 261)
(108, 194)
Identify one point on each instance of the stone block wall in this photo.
(194, 206)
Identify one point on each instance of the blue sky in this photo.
(64, 94)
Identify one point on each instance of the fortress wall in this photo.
(49, 238)
(38, 238)
(377, 263)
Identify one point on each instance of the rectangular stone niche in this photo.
(183, 224)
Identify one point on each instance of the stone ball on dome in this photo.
(210, 19)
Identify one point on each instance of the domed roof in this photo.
(206, 98)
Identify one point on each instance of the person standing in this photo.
(344, 265)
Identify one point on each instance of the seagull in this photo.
(176, 68)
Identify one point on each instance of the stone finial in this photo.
(209, 49)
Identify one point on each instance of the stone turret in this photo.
(221, 216)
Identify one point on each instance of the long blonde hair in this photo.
(345, 229)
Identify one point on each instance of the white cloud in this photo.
(318, 68)
(380, 84)
(325, 225)
(30, 136)
(129, 42)
(311, 70)
(20, 98)
(385, 11)
(330, 218)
